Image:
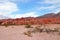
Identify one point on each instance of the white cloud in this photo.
(20, 0)
(15, 0)
(52, 1)
(43, 8)
(55, 7)
(49, 1)
(56, 10)
(6, 8)
(30, 14)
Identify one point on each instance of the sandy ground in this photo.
(16, 33)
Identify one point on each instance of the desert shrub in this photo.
(25, 33)
(48, 30)
(28, 33)
(5, 25)
(33, 31)
(56, 29)
(58, 33)
(28, 26)
(38, 29)
(52, 30)
(41, 30)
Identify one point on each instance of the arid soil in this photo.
(17, 33)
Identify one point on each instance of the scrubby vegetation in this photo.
(28, 33)
(41, 29)
(5, 25)
(28, 26)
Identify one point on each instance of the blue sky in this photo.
(28, 8)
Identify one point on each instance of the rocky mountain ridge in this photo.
(50, 18)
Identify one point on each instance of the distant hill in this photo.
(50, 15)
(50, 18)
(47, 15)
(57, 15)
